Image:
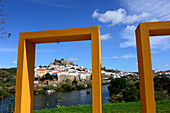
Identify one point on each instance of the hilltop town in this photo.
(63, 70)
(64, 75)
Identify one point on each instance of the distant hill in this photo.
(12, 71)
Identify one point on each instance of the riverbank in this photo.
(130, 107)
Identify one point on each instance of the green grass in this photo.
(131, 107)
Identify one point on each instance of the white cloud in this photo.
(158, 43)
(8, 50)
(105, 36)
(129, 35)
(74, 59)
(128, 56)
(13, 62)
(105, 57)
(158, 9)
(118, 17)
(115, 57)
(54, 3)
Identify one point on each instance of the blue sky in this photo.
(117, 20)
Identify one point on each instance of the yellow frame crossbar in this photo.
(143, 31)
(26, 61)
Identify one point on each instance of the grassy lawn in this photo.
(131, 107)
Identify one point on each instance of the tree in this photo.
(131, 94)
(74, 82)
(48, 76)
(49, 87)
(3, 17)
(67, 87)
(116, 85)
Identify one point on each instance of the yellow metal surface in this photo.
(143, 31)
(26, 60)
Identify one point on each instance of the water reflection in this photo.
(69, 98)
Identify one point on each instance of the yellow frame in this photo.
(26, 60)
(143, 31)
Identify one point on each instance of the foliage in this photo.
(161, 96)
(72, 68)
(116, 85)
(59, 89)
(47, 76)
(80, 86)
(161, 86)
(116, 98)
(68, 81)
(131, 94)
(67, 87)
(130, 107)
(35, 78)
(78, 69)
(3, 92)
(74, 82)
(48, 87)
(89, 85)
(58, 102)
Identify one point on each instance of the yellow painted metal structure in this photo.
(26, 61)
(143, 31)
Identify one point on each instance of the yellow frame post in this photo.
(143, 31)
(26, 62)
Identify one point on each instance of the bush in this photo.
(3, 92)
(80, 87)
(49, 87)
(74, 88)
(67, 87)
(131, 94)
(115, 98)
(89, 85)
(161, 96)
(59, 89)
(74, 82)
(48, 76)
(41, 92)
(116, 85)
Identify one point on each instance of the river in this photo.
(71, 98)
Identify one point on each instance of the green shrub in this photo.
(59, 89)
(3, 92)
(67, 87)
(48, 76)
(74, 82)
(89, 85)
(41, 92)
(80, 87)
(74, 88)
(131, 94)
(49, 87)
(116, 85)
